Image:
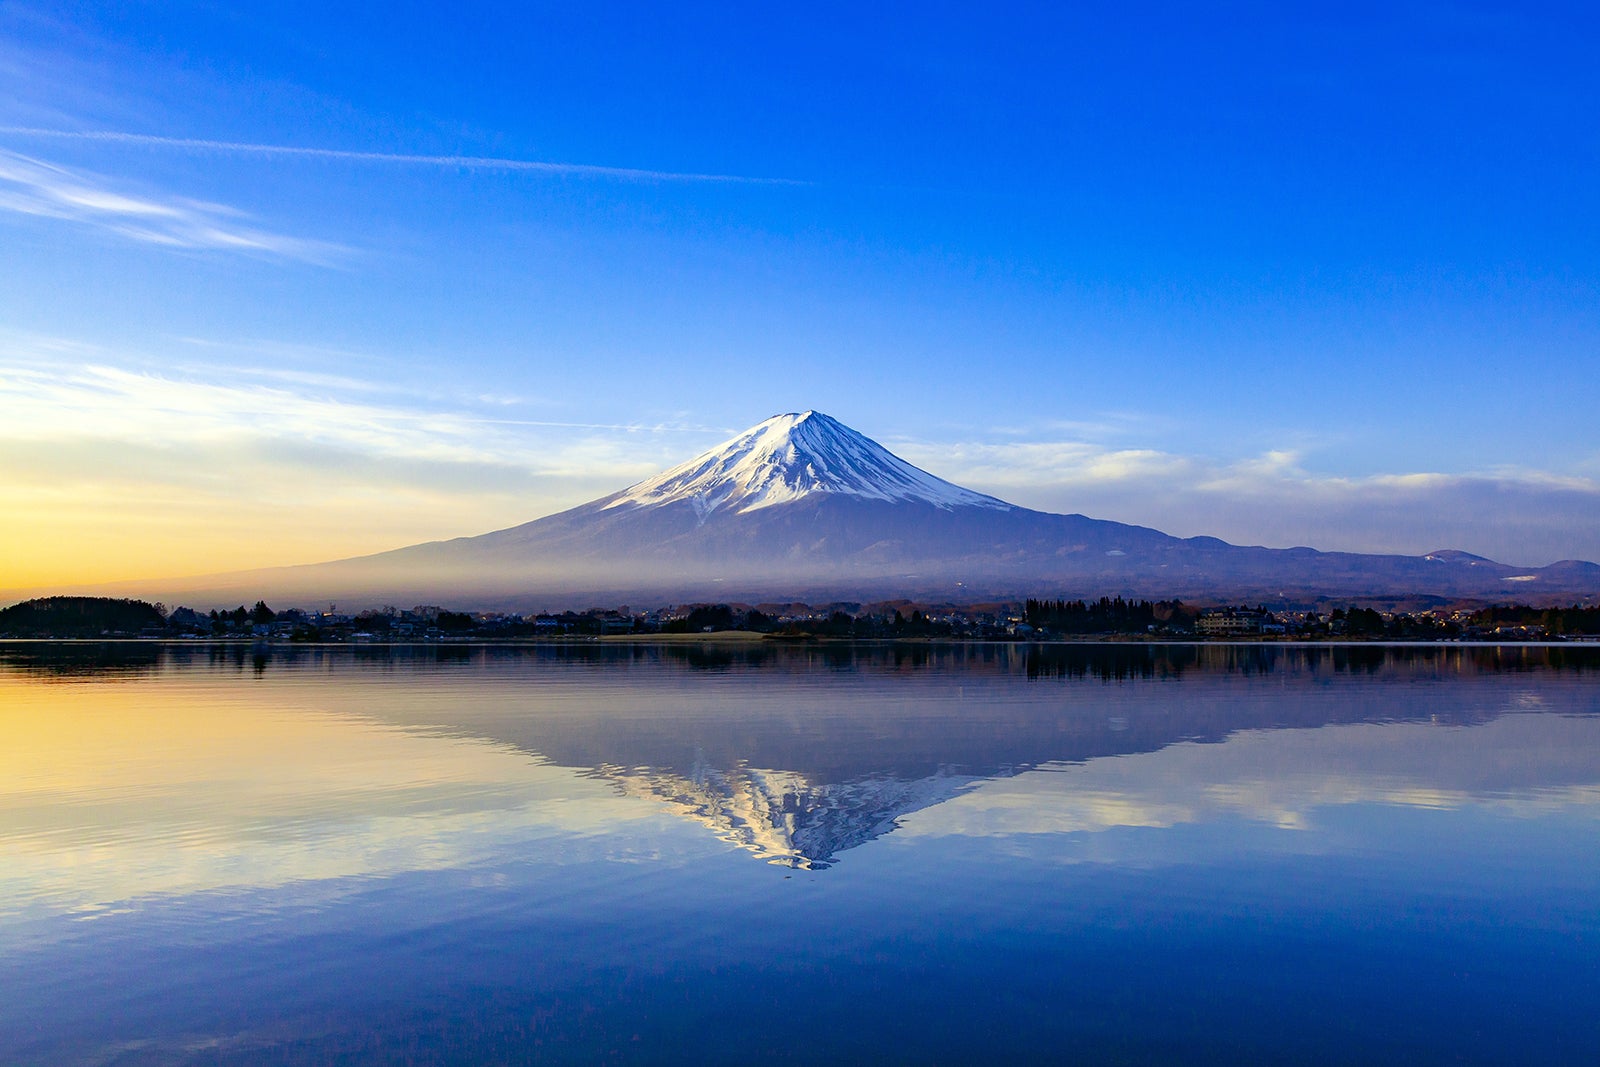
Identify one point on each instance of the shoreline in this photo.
(747, 638)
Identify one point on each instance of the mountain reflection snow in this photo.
(444, 841)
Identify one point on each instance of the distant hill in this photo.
(80, 616)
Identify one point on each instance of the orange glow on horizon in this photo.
(64, 545)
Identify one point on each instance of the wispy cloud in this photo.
(453, 162)
(1516, 515)
(40, 189)
(114, 470)
(103, 402)
(75, 412)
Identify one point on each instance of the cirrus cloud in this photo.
(35, 188)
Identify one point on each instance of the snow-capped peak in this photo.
(791, 456)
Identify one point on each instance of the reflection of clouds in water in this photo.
(208, 779)
(112, 794)
(1517, 767)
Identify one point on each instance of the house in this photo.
(1236, 622)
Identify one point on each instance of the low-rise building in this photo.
(1236, 622)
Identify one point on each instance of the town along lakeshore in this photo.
(1108, 618)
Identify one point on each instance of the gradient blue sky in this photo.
(1287, 278)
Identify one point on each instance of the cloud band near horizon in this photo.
(231, 470)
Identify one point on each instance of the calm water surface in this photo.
(1098, 855)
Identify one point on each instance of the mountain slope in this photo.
(801, 506)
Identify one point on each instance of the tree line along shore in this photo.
(73, 617)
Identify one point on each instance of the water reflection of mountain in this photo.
(800, 753)
(782, 816)
(835, 718)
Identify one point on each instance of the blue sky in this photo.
(1327, 279)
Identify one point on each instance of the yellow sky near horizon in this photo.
(111, 471)
(116, 468)
(75, 538)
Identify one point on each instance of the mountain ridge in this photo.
(802, 507)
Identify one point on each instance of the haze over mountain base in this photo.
(801, 507)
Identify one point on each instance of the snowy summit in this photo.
(792, 456)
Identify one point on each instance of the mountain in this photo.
(804, 507)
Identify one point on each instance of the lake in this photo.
(812, 853)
